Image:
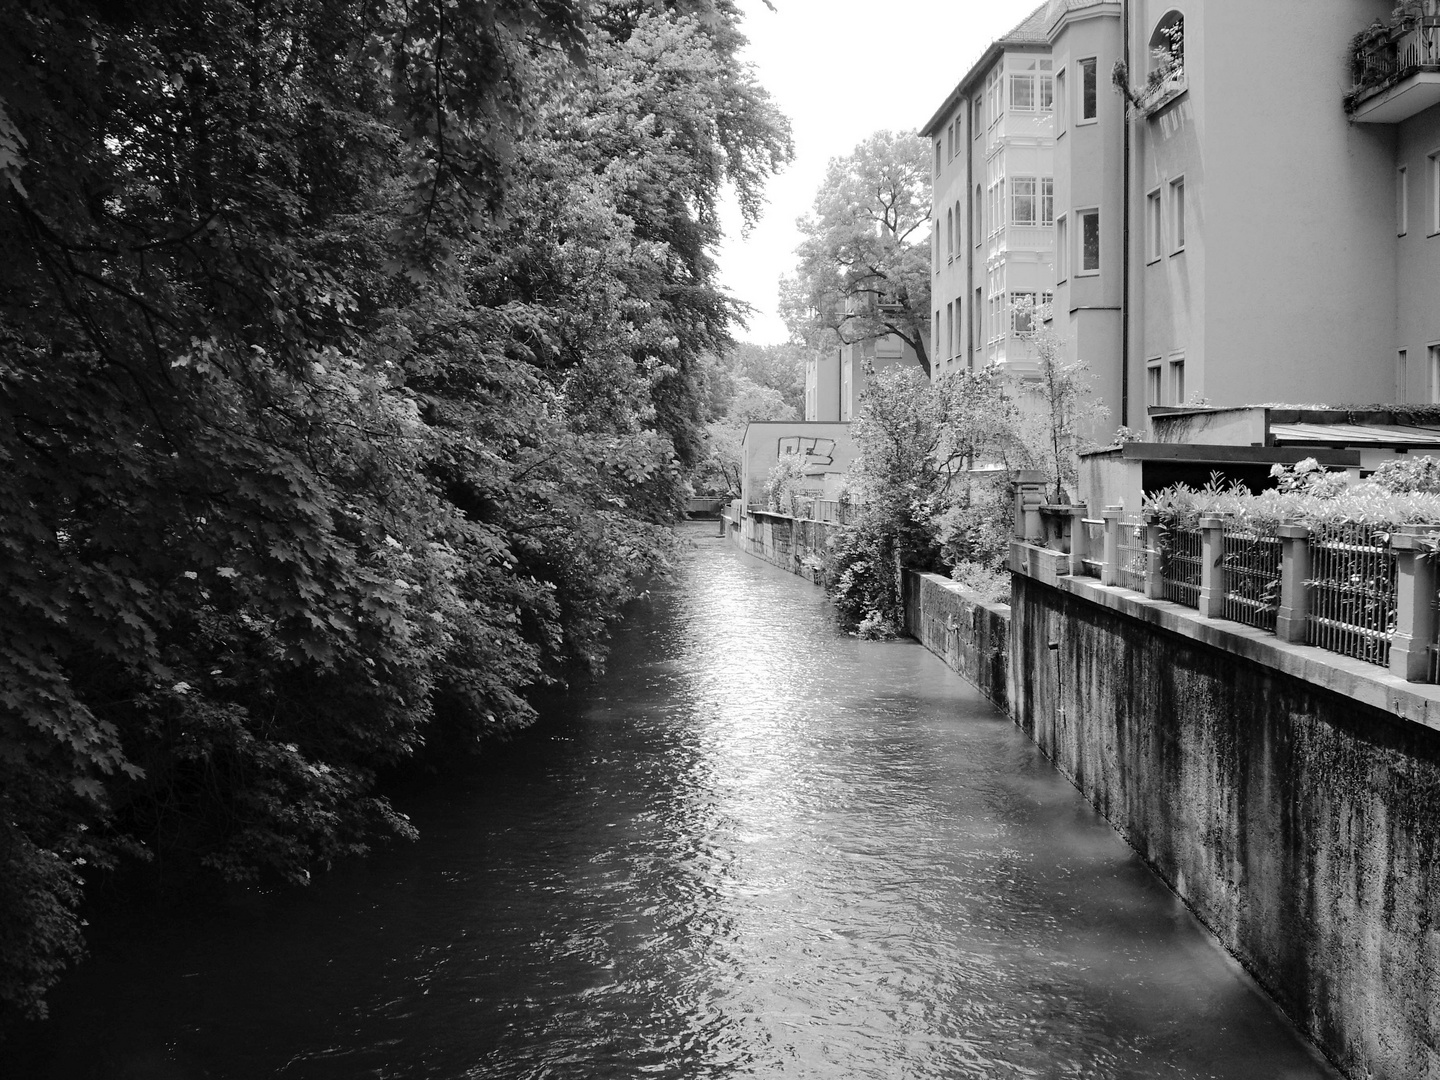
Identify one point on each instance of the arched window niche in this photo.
(1167, 49)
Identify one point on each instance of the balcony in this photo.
(1017, 238)
(1396, 69)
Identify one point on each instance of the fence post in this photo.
(1212, 567)
(1414, 606)
(1109, 568)
(1079, 538)
(1154, 570)
(1294, 572)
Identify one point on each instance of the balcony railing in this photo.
(1383, 57)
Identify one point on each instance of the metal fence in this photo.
(1252, 577)
(1134, 556)
(1180, 565)
(1352, 591)
(1094, 557)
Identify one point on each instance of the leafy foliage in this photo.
(351, 364)
(864, 269)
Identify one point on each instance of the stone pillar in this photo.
(1111, 515)
(1414, 605)
(1212, 567)
(1294, 593)
(1029, 495)
(1154, 581)
(1079, 539)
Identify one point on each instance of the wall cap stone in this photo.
(1417, 703)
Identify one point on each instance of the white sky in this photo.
(840, 69)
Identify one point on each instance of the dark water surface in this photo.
(754, 848)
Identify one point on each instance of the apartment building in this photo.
(993, 238)
(835, 377)
(1255, 218)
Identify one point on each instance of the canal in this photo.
(754, 847)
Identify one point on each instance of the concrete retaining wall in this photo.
(970, 635)
(797, 545)
(1292, 798)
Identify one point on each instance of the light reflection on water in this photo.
(754, 848)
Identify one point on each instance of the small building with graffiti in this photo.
(827, 448)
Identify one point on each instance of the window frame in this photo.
(1432, 374)
(1432, 192)
(1154, 381)
(1062, 99)
(1089, 66)
(1081, 270)
(1154, 227)
(1018, 199)
(1046, 195)
(1062, 248)
(1175, 372)
(1177, 215)
(1402, 201)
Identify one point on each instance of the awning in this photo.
(1397, 436)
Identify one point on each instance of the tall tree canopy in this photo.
(864, 262)
(351, 359)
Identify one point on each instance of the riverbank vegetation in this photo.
(933, 481)
(353, 361)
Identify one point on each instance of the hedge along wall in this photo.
(1300, 824)
(970, 635)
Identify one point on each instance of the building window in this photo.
(979, 216)
(976, 319)
(1089, 90)
(1177, 212)
(1401, 372)
(1167, 47)
(1022, 312)
(959, 225)
(1152, 381)
(1062, 249)
(1433, 195)
(1023, 199)
(935, 244)
(1047, 201)
(1089, 241)
(978, 122)
(937, 157)
(1402, 202)
(1060, 99)
(1153, 242)
(950, 142)
(1022, 93)
(949, 329)
(1177, 380)
(959, 329)
(1433, 356)
(950, 234)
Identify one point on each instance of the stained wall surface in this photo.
(1301, 826)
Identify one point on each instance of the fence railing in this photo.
(1352, 591)
(1134, 554)
(1251, 565)
(1180, 565)
(1363, 592)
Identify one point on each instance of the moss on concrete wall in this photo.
(1300, 825)
(970, 635)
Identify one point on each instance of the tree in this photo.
(864, 262)
(1058, 409)
(349, 366)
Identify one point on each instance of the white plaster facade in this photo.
(1236, 237)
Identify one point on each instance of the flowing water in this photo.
(754, 847)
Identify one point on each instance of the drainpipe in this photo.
(1125, 240)
(971, 218)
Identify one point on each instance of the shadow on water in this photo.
(753, 847)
